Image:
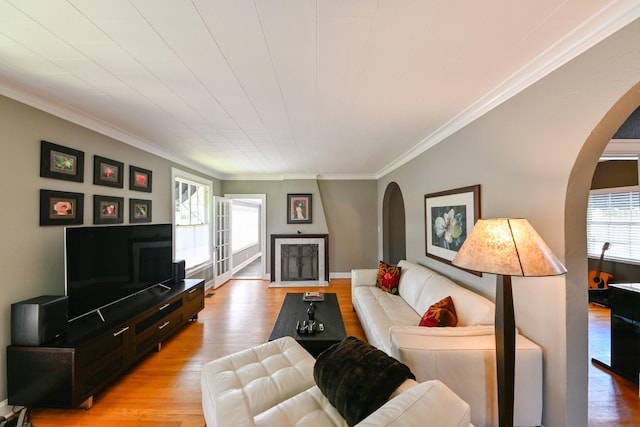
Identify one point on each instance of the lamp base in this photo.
(505, 327)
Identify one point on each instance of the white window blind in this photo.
(614, 217)
(192, 220)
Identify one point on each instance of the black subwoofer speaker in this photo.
(38, 320)
(178, 271)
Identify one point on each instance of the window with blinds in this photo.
(614, 217)
(192, 219)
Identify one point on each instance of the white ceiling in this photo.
(288, 88)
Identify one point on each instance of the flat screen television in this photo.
(106, 264)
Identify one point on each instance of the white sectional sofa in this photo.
(273, 385)
(462, 357)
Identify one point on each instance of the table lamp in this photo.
(506, 247)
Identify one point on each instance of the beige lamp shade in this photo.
(507, 246)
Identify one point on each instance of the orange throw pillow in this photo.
(442, 313)
(388, 278)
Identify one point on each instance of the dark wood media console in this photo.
(625, 331)
(99, 347)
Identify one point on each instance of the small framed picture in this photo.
(139, 210)
(107, 209)
(61, 208)
(139, 179)
(107, 172)
(299, 209)
(61, 162)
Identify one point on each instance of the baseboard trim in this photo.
(339, 275)
(248, 261)
(9, 411)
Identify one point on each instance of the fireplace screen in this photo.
(299, 262)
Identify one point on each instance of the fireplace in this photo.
(300, 259)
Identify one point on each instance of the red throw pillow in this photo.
(442, 313)
(388, 277)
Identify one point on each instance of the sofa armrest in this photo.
(364, 277)
(464, 358)
(430, 400)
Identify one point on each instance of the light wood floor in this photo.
(164, 389)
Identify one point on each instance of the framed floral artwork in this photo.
(61, 208)
(107, 172)
(139, 210)
(299, 209)
(107, 209)
(139, 179)
(449, 217)
(61, 162)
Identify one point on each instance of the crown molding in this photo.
(99, 126)
(608, 21)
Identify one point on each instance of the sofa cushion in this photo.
(357, 378)
(420, 288)
(378, 311)
(442, 313)
(309, 408)
(388, 277)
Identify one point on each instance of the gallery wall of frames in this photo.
(67, 207)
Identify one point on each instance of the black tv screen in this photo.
(106, 264)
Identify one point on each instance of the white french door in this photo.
(222, 241)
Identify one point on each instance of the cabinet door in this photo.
(193, 301)
(103, 359)
(625, 333)
(152, 329)
(40, 376)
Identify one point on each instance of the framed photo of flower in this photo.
(61, 162)
(299, 209)
(139, 211)
(61, 208)
(139, 179)
(107, 172)
(107, 209)
(449, 217)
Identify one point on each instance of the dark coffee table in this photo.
(327, 312)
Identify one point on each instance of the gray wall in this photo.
(244, 255)
(534, 157)
(346, 210)
(350, 208)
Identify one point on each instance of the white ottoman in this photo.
(238, 387)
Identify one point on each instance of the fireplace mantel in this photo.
(275, 237)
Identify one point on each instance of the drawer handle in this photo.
(163, 307)
(163, 325)
(192, 290)
(126, 328)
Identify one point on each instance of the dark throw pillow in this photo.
(442, 313)
(357, 378)
(388, 277)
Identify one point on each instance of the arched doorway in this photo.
(394, 247)
(575, 238)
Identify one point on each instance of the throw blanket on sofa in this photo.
(357, 378)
